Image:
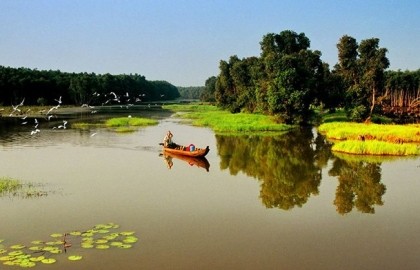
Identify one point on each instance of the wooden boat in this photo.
(186, 151)
(201, 162)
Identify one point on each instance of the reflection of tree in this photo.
(285, 164)
(359, 185)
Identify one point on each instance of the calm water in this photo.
(279, 202)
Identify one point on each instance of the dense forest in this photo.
(191, 92)
(38, 87)
(288, 80)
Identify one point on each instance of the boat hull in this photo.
(198, 152)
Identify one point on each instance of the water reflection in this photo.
(359, 185)
(285, 164)
(200, 162)
(289, 167)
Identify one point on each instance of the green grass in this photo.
(225, 122)
(119, 124)
(387, 133)
(8, 185)
(129, 121)
(373, 139)
(376, 148)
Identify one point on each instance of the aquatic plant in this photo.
(119, 124)
(8, 185)
(15, 188)
(376, 148)
(222, 121)
(100, 237)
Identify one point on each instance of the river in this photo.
(258, 202)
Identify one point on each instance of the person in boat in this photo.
(167, 141)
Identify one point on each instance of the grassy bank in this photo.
(225, 122)
(119, 124)
(373, 139)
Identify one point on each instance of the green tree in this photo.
(209, 90)
(294, 75)
(362, 68)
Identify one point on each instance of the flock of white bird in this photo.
(50, 113)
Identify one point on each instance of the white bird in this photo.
(59, 100)
(35, 131)
(63, 126)
(93, 134)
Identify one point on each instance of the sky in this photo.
(183, 41)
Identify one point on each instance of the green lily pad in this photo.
(127, 233)
(27, 264)
(6, 258)
(15, 253)
(101, 241)
(49, 261)
(75, 258)
(87, 245)
(116, 244)
(54, 235)
(17, 247)
(37, 242)
(36, 248)
(75, 233)
(37, 259)
(102, 246)
(3, 251)
(130, 240)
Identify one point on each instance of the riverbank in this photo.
(221, 121)
(373, 139)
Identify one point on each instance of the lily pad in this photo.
(87, 245)
(75, 258)
(102, 246)
(37, 259)
(101, 241)
(6, 258)
(27, 264)
(17, 247)
(54, 235)
(3, 251)
(15, 253)
(127, 233)
(49, 261)
(36, 248)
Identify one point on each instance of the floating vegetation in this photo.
(99, 237)
(15, 188)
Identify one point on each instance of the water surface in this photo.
(265, 202)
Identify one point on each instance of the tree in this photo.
(362, 68)
(209, 90)
(294, 75)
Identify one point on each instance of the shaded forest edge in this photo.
(41, 87)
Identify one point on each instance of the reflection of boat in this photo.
(186, 151)
(201, 162)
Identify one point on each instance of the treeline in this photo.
(288, 80)
(41, 87)
(191, 92)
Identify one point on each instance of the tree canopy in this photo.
(288, 79)
(44, 87)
